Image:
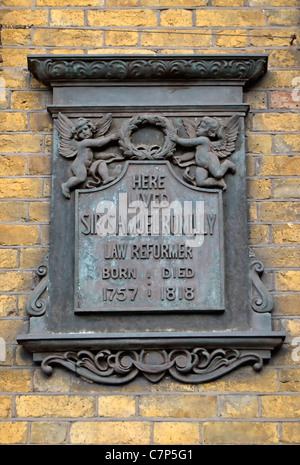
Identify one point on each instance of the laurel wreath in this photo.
(150, 153)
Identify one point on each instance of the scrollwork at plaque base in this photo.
(188, 366)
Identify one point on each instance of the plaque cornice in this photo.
(123, 68)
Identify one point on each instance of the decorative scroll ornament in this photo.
(146, 68)
(150, 152)
(35, 305)
(262, 302)
(189, 366)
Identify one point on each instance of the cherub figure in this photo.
(79, 141)
(209, 169)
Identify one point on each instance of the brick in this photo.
(287, 280)
(278, 257)
(13, 432)
(279, 166)
(268, 38)
(110, 432)
(8, 305)
(15, 380)
(227, 2)
(131, 18)
(17, 2)
(279, 211)
(13, 122)
(231, 38)
(39, 164)
(251, 165)
(24, 17)
(9, 330)
(280, 406)
(30, 188)
(176, 18)
(259, 143)
(8, 258)
(39, 211)
(280, 17)
(286, 143)
(257, 99)
(287, 304)
(176, 433)
(230, 18)
(243, 433)
(68, 37)
(276, 121)
(184, 3)
(253, 212)
(59, 381)
(19, 281)
(291, 432)
(121, 38)
(60, 406)
(284, 58)
(72, 3)
(44, 234)
(286, 188)
(259, 234)
(238, 406)
(259, 189)
(289, 380)
(16, 56)
(286, 234)
(14, 78)
(282, 78)
(188, 406)
(292, 329)
(119, 3)
(171, 39)
(116, 406)
(18, 234)
(12, 165)
(32, 257)
(244, 380)
(13, 211)
(48, 432)
(41, 122)
(283, 100)
(28, 100)
(16, 37)
(272, 2)
(5, 407)
(66, 18)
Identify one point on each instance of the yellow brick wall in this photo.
(243, 407)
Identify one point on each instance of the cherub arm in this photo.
(99, 141)
(189, 142)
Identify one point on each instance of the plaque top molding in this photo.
(51, 69)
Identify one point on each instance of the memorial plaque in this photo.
(149, 272)
(149, 243)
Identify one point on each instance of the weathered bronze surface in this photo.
(149, 271)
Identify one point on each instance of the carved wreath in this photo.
(147, 152)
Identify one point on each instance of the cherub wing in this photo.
(67, 144)
(190, 127)
(227, 135)
(103, 125)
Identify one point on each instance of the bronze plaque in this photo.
(149, 271)
(149, 242)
